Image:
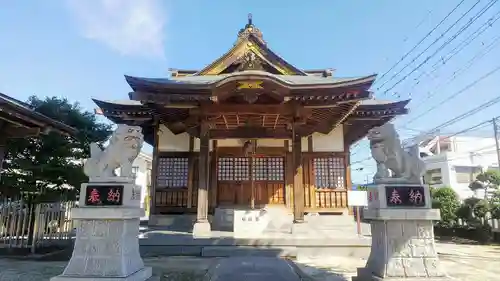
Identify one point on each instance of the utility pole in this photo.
(495, 131)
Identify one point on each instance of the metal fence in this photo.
(35, 226)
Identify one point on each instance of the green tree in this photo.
(43, 166)
(486, 180)
(446, 200)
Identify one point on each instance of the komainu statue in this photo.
(387, 151)
(124, 146)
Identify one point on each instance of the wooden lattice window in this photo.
(329, 172)
(172, 172)
(268, 169)
(233, 169)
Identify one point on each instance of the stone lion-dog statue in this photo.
(388, 153)
(124, 146)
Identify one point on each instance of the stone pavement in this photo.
(462, 262)
(253, 269)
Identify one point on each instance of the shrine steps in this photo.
(186, 245)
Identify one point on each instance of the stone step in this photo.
(256, 251)
(255, 269)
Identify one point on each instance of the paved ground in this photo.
(463, 262)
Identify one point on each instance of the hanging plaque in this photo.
(405, 196)
(104, 195)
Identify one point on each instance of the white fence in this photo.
(35, 226)
(494, 223)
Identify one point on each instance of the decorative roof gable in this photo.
(250, 52)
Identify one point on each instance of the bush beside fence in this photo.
(474, 219)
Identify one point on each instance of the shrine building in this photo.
(250, 130)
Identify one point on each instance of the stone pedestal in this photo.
(202, 229)
(403, 245)
(106, 245)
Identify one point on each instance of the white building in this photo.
(456, 161)
(142, 171)
(141, 168)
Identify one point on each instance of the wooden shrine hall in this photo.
(250, 130)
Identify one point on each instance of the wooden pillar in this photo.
(298, 184)
(203, 177)
(288, 175)
(348, 181)
(191, 161)
(154, 169)
(310, 180)
(213, 175)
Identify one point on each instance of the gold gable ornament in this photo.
(250, 85)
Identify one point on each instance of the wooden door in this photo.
(242, 178)
(233, 175)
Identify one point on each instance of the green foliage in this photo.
(495, 211)
(44, 165)
(486, 180)
(446, 200)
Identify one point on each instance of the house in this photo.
(456, 161)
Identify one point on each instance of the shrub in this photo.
(446, 200)
(495, 211)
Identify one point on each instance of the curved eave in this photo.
(139, 84)
(379, 105)
(127, 105)
(366, 117)
(126, 112)
(20, 110)
(377, 111)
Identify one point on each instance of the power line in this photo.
(478, 56)
(485, 26)
(442, 61)
(469, 23)
(422, 40)
(462, 116)
(428, 47)
(463, 90)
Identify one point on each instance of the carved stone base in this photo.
(141, 275)
(202, 229)
(106, 249)
(364, 274)
(402, 248)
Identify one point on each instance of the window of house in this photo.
(233, 169)
(329, 172)
(433, 176)
(135, 171)
(466, 174)
(172, 172)
(263, 169)
(268, 169)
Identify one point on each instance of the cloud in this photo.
(131, 27)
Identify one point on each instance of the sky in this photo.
(81, 49)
